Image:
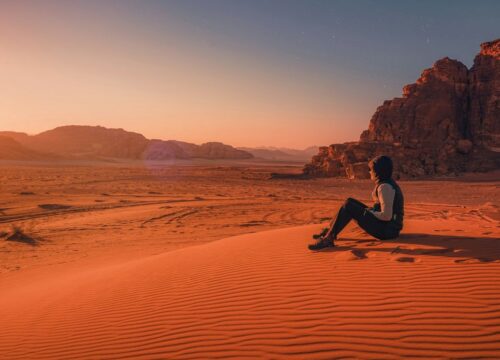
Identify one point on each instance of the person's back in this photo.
(398, 203)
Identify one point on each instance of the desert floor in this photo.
(210, 260)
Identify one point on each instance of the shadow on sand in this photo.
(464, 249)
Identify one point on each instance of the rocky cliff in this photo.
(446, 123)
(484, 97)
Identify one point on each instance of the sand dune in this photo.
(77, 212)
(127, 261)
(263, 295)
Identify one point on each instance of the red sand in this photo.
(140, 273)
(264, 295)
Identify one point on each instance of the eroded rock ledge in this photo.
(446, 123)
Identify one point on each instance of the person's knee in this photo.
(345, 206)
(349, 201)
(350, 204)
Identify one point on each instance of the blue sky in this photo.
(247, 73)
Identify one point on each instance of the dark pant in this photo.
(354, 209)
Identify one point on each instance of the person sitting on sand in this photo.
(384, 220)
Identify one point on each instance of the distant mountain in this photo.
(10, 149)
(281, 154)
(162, 150)
(90, 142)
(170, 149)
(18, 136)
(217, 150)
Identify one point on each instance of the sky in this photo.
(246, 73)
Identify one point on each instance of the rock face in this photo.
(445, 123)
(90, 142)
(484, 90)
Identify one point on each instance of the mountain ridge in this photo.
(91, 142)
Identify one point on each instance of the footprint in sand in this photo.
(406, 259)
(54, 206)
(351, 255)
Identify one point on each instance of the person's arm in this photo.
(374, 195)
(386, 195)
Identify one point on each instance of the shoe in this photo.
(321, 234)
(322, 243)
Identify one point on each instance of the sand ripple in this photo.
(261, 295)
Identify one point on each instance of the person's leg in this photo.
(322, 233)
(351, 208)
(372, 225)
(357, 202)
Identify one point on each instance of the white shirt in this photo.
(386, 194)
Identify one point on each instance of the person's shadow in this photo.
(465, 249)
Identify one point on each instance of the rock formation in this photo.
(163, 150)
(282, 154)
(89, 141)
(446, 123)
(10, 149)
(94, 142)
(171, 149)
(217, 150)
(484, 92)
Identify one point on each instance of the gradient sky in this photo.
(246, 73)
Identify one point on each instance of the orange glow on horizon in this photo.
(59, 71)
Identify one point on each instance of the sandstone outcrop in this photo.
(446, 123)
(484, 90)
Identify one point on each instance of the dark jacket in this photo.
(398, 205)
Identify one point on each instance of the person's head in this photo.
(380, 168)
